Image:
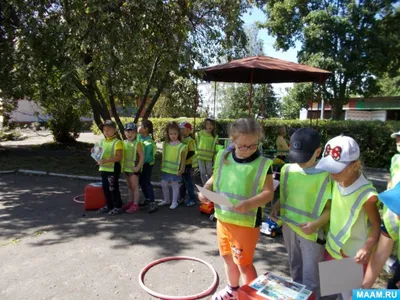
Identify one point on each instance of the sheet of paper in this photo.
(347, 273)
(214, 197)
(97, 152)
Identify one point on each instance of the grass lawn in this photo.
(72, 159)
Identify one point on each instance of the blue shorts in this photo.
(170, 177)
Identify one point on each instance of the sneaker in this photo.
(143, 202)
(127, 206)
(164, 203)
(174, 205)
(181, 201)
(152, 207)
(103, 210)
(115, 211)
(134, 208)
(190, 203)
(226, 294)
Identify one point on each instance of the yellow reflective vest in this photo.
(171, 159)
(130, 159)
(205, 144)
(238, 182)
(303, 197)
(109, 151)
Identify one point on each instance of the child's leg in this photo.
(165, 190)
(182, 188)
(203, 174)
(294, 253)
(142, 183)
(311, 254)
(135, 188)
(175, 194)
(147, 182)
(114, 186)
(209, 170)
(190, 186)
(106, 189)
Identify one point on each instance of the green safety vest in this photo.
(153, 144)
(171, 157)
(130, 155)
(193, 160)
(238, 182)
(303, 197)
(205, 144)
(391, 222)
(395, 170)
(344, 214)
(108, 152)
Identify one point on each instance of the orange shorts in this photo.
(238, 241)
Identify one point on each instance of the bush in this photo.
(65, 126)
(376, 146)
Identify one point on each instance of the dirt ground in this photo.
(50, 248)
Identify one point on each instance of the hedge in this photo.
(377, 147)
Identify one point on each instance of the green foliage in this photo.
(389, 84)
(177, 100)
(65, 124)
(295, 100)
(377, 147)
(355, 40)
(105, 50)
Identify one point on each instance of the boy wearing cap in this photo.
(390, 232)
(187, 181)
(304, 204)
(110, 168)
(395, 163)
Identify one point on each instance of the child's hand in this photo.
(136, 169)
(242, 207)
(308, 228)
(180, 172)
(203, 199)
(92, 150)
(362, 256)
(101, 162)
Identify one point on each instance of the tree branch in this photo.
(114, 112)
(146, 93)
(160, 88)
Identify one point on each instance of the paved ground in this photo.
(51, 249)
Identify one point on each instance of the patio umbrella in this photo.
(263, 69)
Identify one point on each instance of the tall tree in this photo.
(297, 98)
(356, 40)
(107, 49)
(234, 97)
(389, 84)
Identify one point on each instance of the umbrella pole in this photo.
(312, 102)
(215, 96)
(196, 99)
(251, 90)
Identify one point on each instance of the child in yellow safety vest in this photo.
(172, 165)
(145, 136)
(304, 206)
(244, 176)
(110, 168)
(206, 142)
(191, 162)
(355, 222)
(395, 163)
(132, 166)
(390, 233)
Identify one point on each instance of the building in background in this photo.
(362, 109)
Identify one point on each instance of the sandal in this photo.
(127, 206)
(103, 210)
(115, 211)
(226, 294)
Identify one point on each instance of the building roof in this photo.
(371, 103)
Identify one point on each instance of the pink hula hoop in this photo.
(142, 274)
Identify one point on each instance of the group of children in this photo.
(328, 208)
(135, 157)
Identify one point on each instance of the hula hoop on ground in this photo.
(142, 274)
(76, 199)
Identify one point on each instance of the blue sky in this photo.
(254, 15)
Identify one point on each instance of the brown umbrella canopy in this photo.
(264, 69)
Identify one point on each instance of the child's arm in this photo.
(209, 186)
(183, 163)
(140, 152)
(371, 209)
(311, 227)
(275, 209)
(266, 195)
(377, 261)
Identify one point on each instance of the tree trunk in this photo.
(146, 93)
(114, 109)
(160, 88)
